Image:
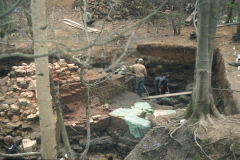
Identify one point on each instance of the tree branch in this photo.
(11, 9)
(63, 51)
(20, 154)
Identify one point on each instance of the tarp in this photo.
(144, 106)
(122, 112)
(138, 127)
(163, 112)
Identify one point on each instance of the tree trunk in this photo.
(201, 102)
(213, 20)
(87, 115)
(60, 118)
(28, 16)
(172, 17)
(229, 16)
(1, 12)
(47, 126)
(180, 13)
(238, 28)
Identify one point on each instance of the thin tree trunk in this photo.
(28, 16)
(238, 28)
(83, 156)
(172, 17)
(201, 100)
(180, 13)
(229, 16)
(60, 118)
(47, 126)
(1, 12)
(148, 26)
(213, 20)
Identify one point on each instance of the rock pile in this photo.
(121, 9)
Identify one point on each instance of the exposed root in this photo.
(210, 119)
(214, 108)
(214, 141)
(171, 135)
(195, 138)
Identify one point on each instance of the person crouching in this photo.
(12, 147)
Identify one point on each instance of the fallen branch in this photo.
(20, 154)
(195, 138)
(228, 24)
(7, 44)
(221, 36)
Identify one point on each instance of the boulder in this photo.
(14, 108)
(62, 63)
(16, 88)
(4, 107)
(10, 101)
(1, 99)
(20, 73)
(109, 19)
(76, 148)
(5, 121)
(2, 114)
(189, 87)
(36, 136)
(26, 113)
(98, 143)
(123, 148)
(184, 99)
(29, 145)
(23, 84)
(8, 131)
(32, 85)
(30, 72)
(13, 125)
(23, 101)
(9, 113)
(72, 67)
(129, 140)
(32, 117)
(26, 127)
(15, 118)
(20, 79)
(18, 139)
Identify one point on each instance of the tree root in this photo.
(195, 138)
(214, 108)
(171, 135)
(215, 141)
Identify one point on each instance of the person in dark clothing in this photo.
(12, 147)
(89, 19)
(160, 85)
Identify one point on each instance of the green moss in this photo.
(188, 112)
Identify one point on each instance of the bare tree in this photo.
(229, 16)
(202, 101)
(238, 28)
(48, 138)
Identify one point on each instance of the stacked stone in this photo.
(18, 99)
(121, 9)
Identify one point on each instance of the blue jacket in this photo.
(160, 79)
(11, 150)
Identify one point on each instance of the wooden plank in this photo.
(189, 20)
(168, 95)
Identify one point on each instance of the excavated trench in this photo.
(176, 61)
